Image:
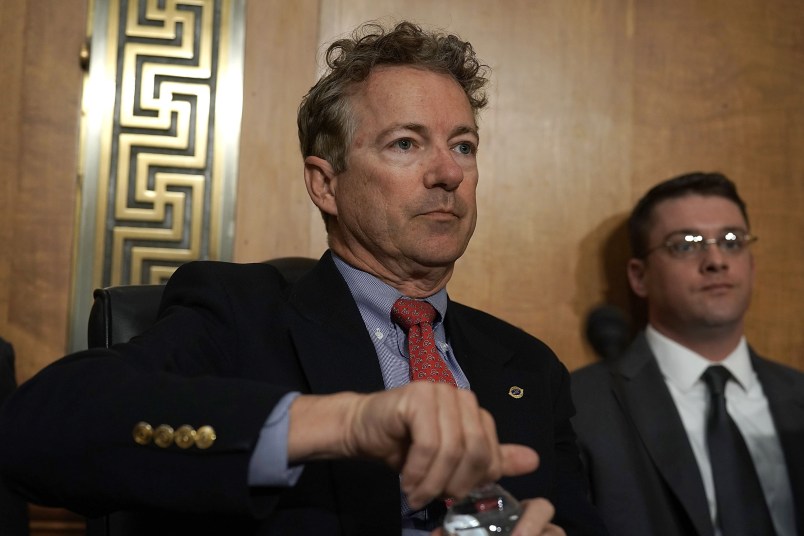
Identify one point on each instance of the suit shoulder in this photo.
(589, 382)
(766, 367)
(200, 282)
(496, 327)
(591, 372)
(227, 273)
(224, 269)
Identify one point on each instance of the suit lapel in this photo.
(336, 354)
(642, 393)
(480, 357)
(786, 401)
(331, 339)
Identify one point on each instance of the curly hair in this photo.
(326, 124)
(696, 183)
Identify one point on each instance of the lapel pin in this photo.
(516, 392)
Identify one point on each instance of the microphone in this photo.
(608, 332)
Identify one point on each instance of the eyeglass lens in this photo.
(685, 244)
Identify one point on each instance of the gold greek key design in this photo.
(156, 210)
(159, 139)
(163, 122)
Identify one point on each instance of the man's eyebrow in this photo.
(465, 129)
(400, 127)
(422, 130)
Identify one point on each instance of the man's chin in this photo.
(438, 255)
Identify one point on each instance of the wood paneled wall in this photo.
(592, 102)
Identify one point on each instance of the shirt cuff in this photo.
(269, 461)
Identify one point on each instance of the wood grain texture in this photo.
(591, 103)
(274, 213)
(41, 112)
(719, 88)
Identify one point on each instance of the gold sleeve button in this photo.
(185, 436)
(163, 436)
(142, 433)
(205, 437)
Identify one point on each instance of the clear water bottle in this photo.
(486, 511)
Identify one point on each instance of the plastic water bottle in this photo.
(486, 511)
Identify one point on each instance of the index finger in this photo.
(518, 459)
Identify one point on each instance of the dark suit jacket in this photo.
(231, 340)
(13, 509)
(643, 475)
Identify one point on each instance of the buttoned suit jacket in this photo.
(642, 472)
(230, 342)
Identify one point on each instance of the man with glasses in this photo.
(690, 432)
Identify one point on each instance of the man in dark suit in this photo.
(644, 420)
(266, 406)
(13, 510)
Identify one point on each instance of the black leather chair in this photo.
(121, 312)
(118, 314)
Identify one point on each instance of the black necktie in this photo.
(741, 506)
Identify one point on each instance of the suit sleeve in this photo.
(68, 432)
(574, 512)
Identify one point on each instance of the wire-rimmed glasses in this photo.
(685, 245)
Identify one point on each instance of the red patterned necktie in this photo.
(416, 318)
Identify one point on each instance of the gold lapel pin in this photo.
(516, 392)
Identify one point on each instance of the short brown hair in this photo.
(696, 183)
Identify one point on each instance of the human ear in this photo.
(636, 271)
(321, 181)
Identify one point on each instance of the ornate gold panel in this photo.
(162, 105)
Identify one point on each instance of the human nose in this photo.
(444, 171)
(713, 259)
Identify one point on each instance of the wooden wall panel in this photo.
(718, 86)
(41, 111)
(274, 214)
(591, 103)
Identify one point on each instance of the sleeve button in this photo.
(163, 436)
(205, 437)
(142, 433)
(185, 436)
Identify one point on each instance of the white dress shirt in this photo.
(748, 407)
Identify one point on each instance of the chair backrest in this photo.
(118, 314)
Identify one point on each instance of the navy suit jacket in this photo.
(230, 342)
(643, 475)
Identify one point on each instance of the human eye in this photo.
(403, 144)
(465, 148)
(684, 245)
(731, 242)
(681, 247)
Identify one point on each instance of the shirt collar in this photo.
(372, 294)
(683, 367)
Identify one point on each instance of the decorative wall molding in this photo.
(160, 135)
